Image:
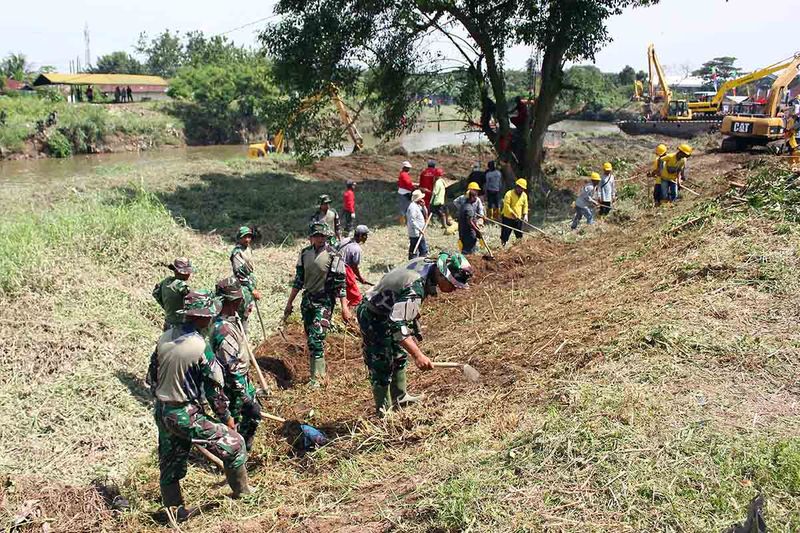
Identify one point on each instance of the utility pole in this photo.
(88, 57)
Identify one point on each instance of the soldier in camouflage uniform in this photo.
(388, 317)
(169, 293)
(320, 274)
(328, 215)
(229, 342)
(183, 370)
(242, 265)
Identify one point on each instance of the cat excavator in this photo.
(745, 130)
(670, 109)
(278, 143)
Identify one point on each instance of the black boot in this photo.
(172, 498)
(237, 479)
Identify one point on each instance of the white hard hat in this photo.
(406, 164)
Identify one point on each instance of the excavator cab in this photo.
(679, 110)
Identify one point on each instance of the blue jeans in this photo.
(669, 190)
(582, 212)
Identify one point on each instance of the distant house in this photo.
(142, 87)
(10, 84)
(687, 84)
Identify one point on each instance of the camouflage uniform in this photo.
(242, 265)
(330, 218)
(321, 275)
(169, 295)
(229, 344)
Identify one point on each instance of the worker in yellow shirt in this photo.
(658, 165)
(792, 130)
(673, 172)
(515, 210)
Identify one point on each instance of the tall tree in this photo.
(118, 63)
(164, 53)
(323, 41)
(722, 67)
(627, 75)
(15, 66)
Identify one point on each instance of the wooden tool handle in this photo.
(272, 417)
(210, 456)
(447, 364)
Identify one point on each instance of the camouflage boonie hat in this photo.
(199, 304)
(455, 268)
(181, 265)
(229, 288)
(319, 228)
(324, 199)
(243, 231)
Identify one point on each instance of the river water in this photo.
(43, 170)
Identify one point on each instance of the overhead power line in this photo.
(237, 28)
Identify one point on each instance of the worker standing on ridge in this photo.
(229, 342)
(656, 170)
(606, 189)
(328, 216)
(427, 179)
(438, 206)
(462, 199)
(494, 184)
(184, 373)
(242, 265)
(416, 216)
(404, 189)
(349, 206)
(515, 210)
(673, 172)
(389, 321)
(320, 274)
(351, 252)
(169, 293)
(585, 202)
(468, 230)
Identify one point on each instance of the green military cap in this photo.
(199, 304)
(229, 288)
(319, 228)
(455, 268)
(181, 265)
(243, 231)
(324, 199)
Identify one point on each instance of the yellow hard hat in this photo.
(522, 182)
(595, 176)
(473, 186)
(607, 166)
(661, 149)
(685, 148)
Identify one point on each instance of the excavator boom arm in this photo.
(655, 64)
(747, 78)
(779, 85)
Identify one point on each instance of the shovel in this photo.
(490, 255)
(470, 373)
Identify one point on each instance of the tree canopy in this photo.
(118, 63)
(722, 67)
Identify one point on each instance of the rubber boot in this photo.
(237, 479)
(318, 372)
(172, 498)
(383, 403)
(399, 390)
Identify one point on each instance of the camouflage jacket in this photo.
(230, 348)
(398, 296)
(183, 369)
(242, 265)
(320, 274)
(169, 294)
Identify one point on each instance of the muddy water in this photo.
(49, 170)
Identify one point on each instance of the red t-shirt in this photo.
(426, 180)
(404, 181)
(349, 201)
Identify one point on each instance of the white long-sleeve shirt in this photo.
(607, 189)
(415, 219)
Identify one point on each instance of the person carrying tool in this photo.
(438, 207)
(351, 251)
(416, 222)
(242, 265)
(389, 321)
(184, 374)
(404, 189)
(169, 293)
(656, 169)
(584, 204)
(229, 343)
(468, 230)
(328, 216)
(606, 189)
(427, 179)
(349, 206)
(320, 274)
(494, 184)
(515, 210)
(461, 200)
(673, 172)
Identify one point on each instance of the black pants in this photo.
(605, 208)
(505, 233)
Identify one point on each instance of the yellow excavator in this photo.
(278, 144)
(670, 109)
(712, 106)
(746, 130)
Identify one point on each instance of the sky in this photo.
(685, 32)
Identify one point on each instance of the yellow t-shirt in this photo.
(515, 206)
(673, 167)
(657, 163)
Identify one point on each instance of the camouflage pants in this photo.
(316, 321)
(246, 413)
(246, 307)
(179, 427)
(382, 353)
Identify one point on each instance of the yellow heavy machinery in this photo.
(279, 142)
(670, 109)
(746, 130)
(712, 106)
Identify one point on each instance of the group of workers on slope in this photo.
(203, 356)
(669, 172)
(596, 191)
